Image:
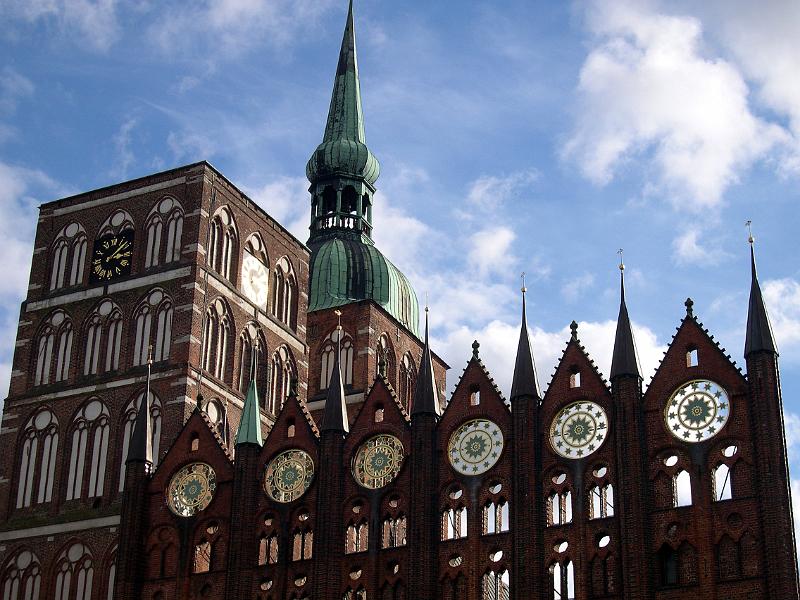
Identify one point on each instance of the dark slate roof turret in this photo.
(426, 398)
(141, 446)
(759, 331)
(335, 416)
(625, 360)
(249, 431)
(525, 382)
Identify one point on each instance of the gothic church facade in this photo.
(203, 406)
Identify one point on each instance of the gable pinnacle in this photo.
(759, 330)
(574, 329)
(624, 358)
(426, 397)
(141, 446)
(525, 381)
(335, 416)
(249, 431)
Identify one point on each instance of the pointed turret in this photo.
(625, 360)
(525, 382)
(335, 416)
(141, 445)
(759, 331)
(249, 431)
(426, 398)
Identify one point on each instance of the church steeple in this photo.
(759, 331)
(342, 170)
(624, 361)
(249, 431)
(525, 382)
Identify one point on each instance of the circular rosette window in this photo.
(378, 461)
(191, 489)
(697, 411)
(289, 475)
(579, 429)
(475, 447)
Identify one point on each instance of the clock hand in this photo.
(120, 249)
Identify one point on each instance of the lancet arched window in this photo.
(53, 349)
(222, 244)
(284, 293)
(21, 577)
(153, 323)
(68, 257)
(89, 451)
(385, 353)
(345, 359)
(282, 370)
(128, 421)
(103, 339)
(252, 358)
(164, 232)
(406, 380)
(37, 459)
(216, 340)
(74, 574)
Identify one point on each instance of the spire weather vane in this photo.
(750, 237)
(621, 259)
(523, 289)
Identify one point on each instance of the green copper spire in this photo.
(343, 151)
(250, 426)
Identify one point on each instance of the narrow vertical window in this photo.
(682, 484)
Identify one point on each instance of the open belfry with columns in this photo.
(204, 406)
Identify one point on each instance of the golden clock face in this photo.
(579, 429)
(378, 461)
(191, 489)
(289, 475)
(475, 447)
(697, 411)
(112, 256)
(255, 280)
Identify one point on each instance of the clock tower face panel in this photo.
(112, 257)
(255, 280)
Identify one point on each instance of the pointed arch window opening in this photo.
(223, 244)
(407, 380)
(54, 350)
(75, 574)
(103, 339)
(454, 523)
(601, 498)
(394, 532)
(282, 371)
(559, 508)
(164, 232)
(495, 517)
(722, 483)
(562, 576)
(22, 577)
(68, 257)
(153, 323)
(496, 585)
(38, 460)
(253, 360)
(216, 341)
(345, 360)
(89, 452)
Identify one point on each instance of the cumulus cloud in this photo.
(490, 191)
(234, 26)
(286, 200)
(693, 246)
(18, 216)
(782, 298)
(649, 91)
(498, 340)
(490, 250)
(575, 287)
(93, 22)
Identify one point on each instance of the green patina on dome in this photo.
(343, 151)
(347, 270)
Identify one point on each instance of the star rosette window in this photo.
(191, 489)
(378, 461)
(697, 411)
(475, 447)
(288, 476)
(579, 429)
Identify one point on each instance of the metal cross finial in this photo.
(524, 289)
(426, 301)
(750, 237)
(338, 314)
(621, 261)
(150, 354)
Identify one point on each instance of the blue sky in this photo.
(522, 136)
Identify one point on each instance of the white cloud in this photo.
(648, 90)
(234, 26)
(782, 298)
(490, 251)
(498, 340)
(18, 217)
(574, 288)
(286, 200)
(93, 22)
(490, 191)
(122, 145)
(13, 88)
(691, 247)
(190, 145)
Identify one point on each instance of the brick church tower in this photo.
(203, 407)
